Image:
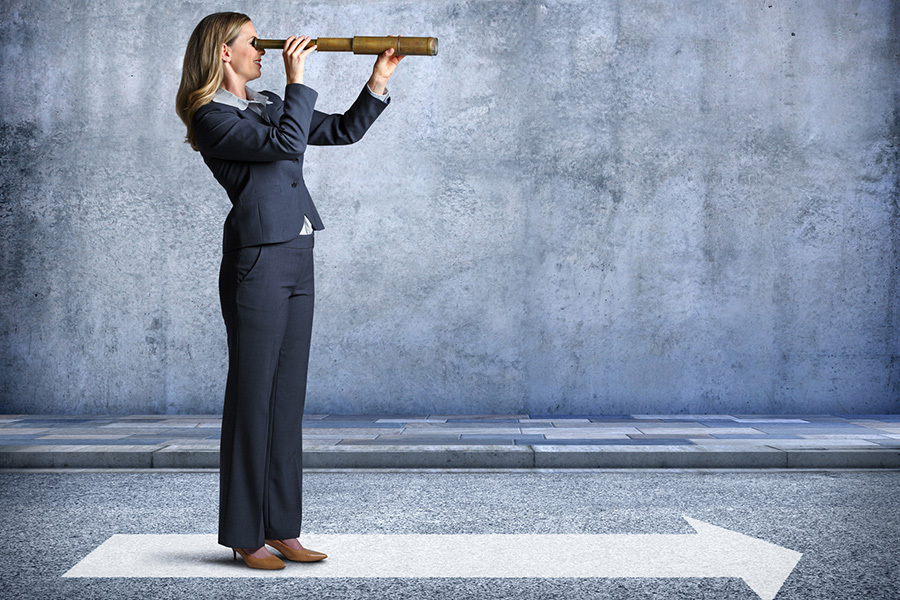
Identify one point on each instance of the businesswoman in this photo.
(254, 143)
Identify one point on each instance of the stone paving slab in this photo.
(469, 441)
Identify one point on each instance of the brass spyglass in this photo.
(415, 46)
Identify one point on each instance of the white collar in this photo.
(223, 96)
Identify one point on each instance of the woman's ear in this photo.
(226, 53)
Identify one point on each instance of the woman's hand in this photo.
(295, 57)
(383, 69)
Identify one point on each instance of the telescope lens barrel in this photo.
(414, 46)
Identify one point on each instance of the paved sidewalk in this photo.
(495, 441)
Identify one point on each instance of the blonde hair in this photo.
(202, 73)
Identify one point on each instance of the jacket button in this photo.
(293, 184)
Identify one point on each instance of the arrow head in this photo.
(762, 565)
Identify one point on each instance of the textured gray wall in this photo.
(578, 206)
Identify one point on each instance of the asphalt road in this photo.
(845, 523)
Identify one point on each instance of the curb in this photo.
(464, 456)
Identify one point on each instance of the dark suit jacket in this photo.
(260, 165)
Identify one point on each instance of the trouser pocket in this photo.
(247, 259)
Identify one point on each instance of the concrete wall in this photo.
(626, 206)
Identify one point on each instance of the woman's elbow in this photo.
(353, 135)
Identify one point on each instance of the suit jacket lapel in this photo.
(270, 117)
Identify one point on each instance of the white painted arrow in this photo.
(712, 552)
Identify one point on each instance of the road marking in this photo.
(711, 552)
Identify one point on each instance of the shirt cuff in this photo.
(383, 97)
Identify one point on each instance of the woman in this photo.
(254, 144)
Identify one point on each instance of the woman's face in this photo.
(242, 56)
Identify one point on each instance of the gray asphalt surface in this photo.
(844, 522)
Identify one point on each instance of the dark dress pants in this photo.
(267, 303)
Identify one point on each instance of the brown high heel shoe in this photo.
(269, 562)
(301, 555)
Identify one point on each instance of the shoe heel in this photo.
(270, 562)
